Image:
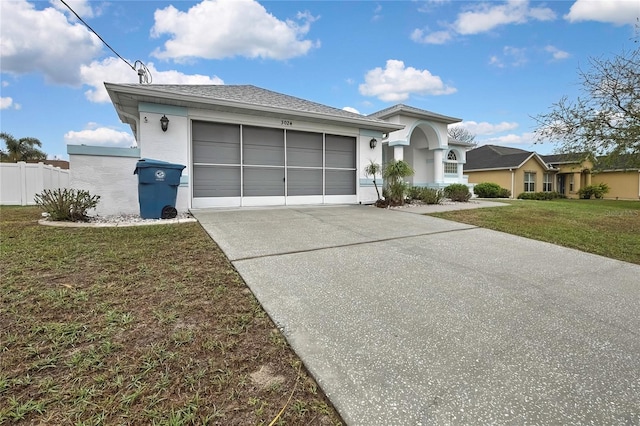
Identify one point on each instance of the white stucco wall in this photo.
(109, 177)
(367, 191)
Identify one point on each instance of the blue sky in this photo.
(494, 64)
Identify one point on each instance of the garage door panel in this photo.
(340, 151)
(216, 181)
(304, 182)
(216, 143)
(263, 146)
(263, 181)
(304, 149)
(340, 182)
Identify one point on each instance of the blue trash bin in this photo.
(158, 183)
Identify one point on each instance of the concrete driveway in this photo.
(406, 319)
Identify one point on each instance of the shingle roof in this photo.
(252, 95)
(412, 111)
(564, 158)
(495, 157)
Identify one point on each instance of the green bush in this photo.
(66, 204)
(541, 196)
(596, 191)
(504, 193)
(426, 195)
(491, 190)
(457, 192)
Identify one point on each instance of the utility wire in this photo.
(143, 72)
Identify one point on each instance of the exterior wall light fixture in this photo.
(373, 142)
(164, 123)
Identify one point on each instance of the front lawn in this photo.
(139, 326)
(606, 227)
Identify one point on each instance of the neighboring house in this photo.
(247, 146)
(514, 169)
(526, 171)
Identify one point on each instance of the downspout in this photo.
(513, 177)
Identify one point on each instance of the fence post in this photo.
(22, 182)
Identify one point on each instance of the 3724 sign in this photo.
(286, 122)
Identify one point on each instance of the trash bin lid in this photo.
(148, 162)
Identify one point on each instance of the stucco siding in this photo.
(501, 177)
(111, 178)
(622, 185)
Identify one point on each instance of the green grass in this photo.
(606, 227)
(145, 325)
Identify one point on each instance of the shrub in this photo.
(457, 192)
(426, 195)
(397, 191)
(504, 193)
(66, 204)
(541, 196)
(491, 190)
(596, 191)
(394, 173)
(487, 190)
(431, 196)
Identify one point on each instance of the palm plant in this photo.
(373, 169)
(394, 173)
(22, 149)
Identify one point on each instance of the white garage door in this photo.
(237, 165)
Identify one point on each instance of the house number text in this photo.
(286, 122)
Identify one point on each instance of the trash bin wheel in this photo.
(169, 212)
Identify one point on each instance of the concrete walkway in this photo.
(406, 319)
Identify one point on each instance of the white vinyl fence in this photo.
(20, 182)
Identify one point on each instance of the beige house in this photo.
(526, 171)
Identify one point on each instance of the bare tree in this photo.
(605, 121)
(461, 134)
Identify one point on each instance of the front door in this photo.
(561, 179)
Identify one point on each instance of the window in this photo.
(451, 165)
(547, 182)
(570, 183)
(529, 182)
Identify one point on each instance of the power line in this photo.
(143, 72)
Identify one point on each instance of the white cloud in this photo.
(226, 28)
(350, 109)
(81, 7)
(526, 138)
(485, 128)
(484, 17)
(436, 37)
(113, 70)
(481, 17)
(511, 56)
(396, 82)
(44, 41)
(557, 53)
(101, 136)
(5, 102)
(619, 12)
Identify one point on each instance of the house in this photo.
(526, 171)
(247, 146)
(514, 169)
